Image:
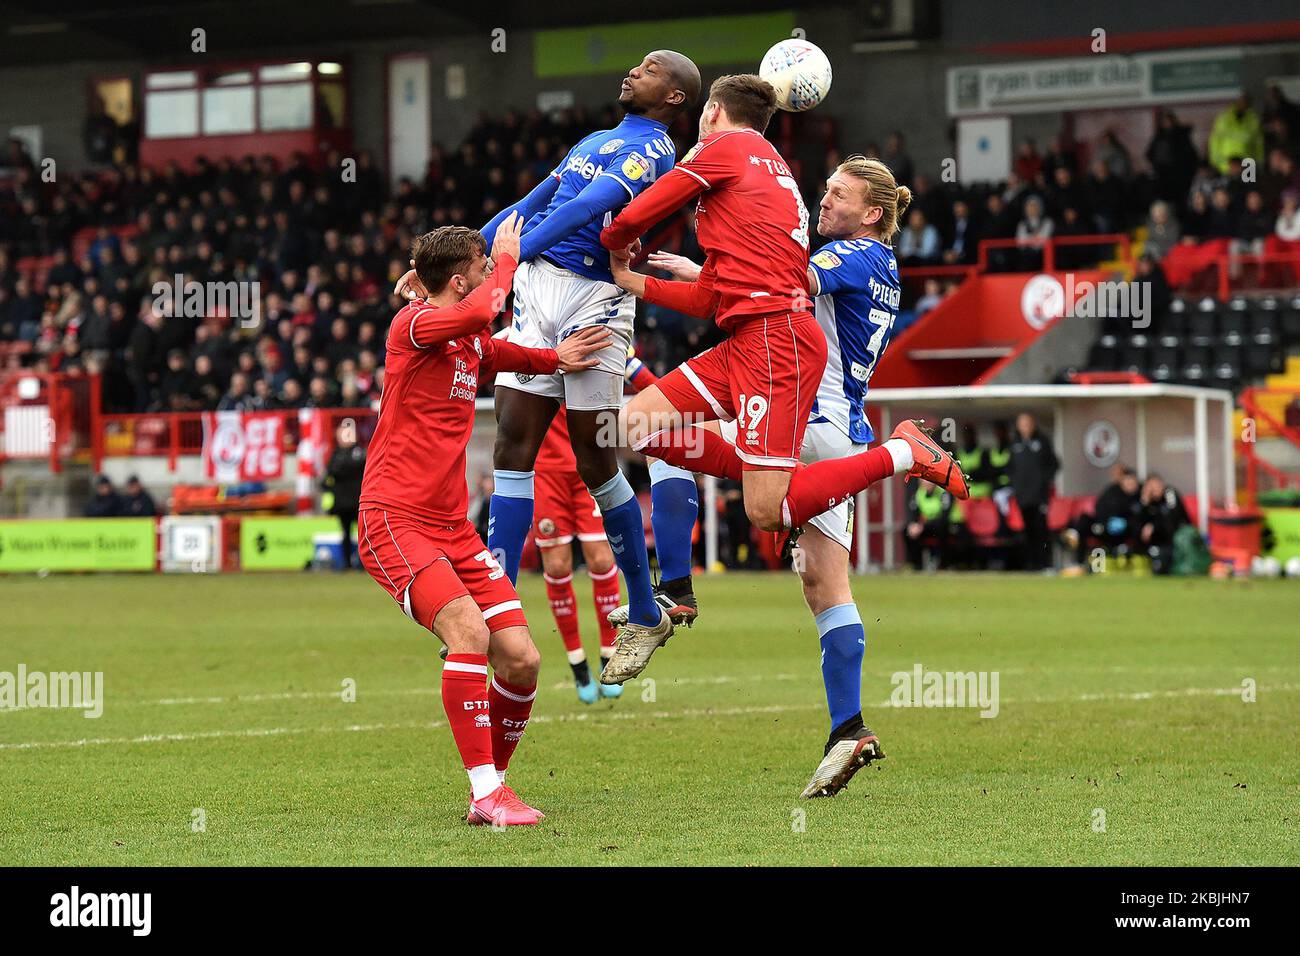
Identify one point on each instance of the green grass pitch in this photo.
(1120, 704)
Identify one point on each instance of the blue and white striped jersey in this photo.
(856, 305)
(635, 153)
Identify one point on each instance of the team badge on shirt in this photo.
(690, 153)
(635, 166)
(609, 147)
(827, 259)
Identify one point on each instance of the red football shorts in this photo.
(765, 376)
(564, 509)
(451, 562)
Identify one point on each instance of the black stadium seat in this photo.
(1225, 366)
(1259, 360)
(1163, 364)
(1196, 365)
(1176, 329)
(1265, 326)
(1232, 327)
(1202, 328)
(1104, 356)
(1291, 322)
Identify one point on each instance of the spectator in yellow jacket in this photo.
(1237, 133)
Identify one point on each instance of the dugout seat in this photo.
(982, 519)
(1015, 520)
(1059, 514)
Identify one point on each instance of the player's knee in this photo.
(823, 592)
(764, 515)
(530, 661)
(519, 663)
(810, 577)
(557, 562)
(600, 564)
(596, 466)
(465, 636)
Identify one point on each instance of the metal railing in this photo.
(1247, 444)
(172, 435)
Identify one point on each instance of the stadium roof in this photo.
(34, 32)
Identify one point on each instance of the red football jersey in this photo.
(751, 223)
(556, 453)
(436, 356)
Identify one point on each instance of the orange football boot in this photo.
(931, 462)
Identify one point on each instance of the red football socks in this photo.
(511, 706)
(821, 486)
(559, 591)
(605, 592)
(695, 449)
(465, 700)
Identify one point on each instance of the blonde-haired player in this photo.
(854, 279)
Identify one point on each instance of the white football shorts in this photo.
(823, 441)
(551, 304)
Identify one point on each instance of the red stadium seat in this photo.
(1015, 520)
(1060, 513)
(981, 517)
(1084, 505)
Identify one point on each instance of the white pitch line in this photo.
(404, 725)
(410, 691)
(719, 680)
(601, 716)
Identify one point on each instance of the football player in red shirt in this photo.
(753, 227)
(414, 535)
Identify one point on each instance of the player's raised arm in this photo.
(467, 289)
(603, 194)
(536, 200)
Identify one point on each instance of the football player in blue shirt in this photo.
(564, 284)
(855, 281)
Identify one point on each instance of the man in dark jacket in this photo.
(343, 478)
(1163, 513)
(1113, 522)
(136, 502)
(106, 503)
(1032, 470)
(145, 357)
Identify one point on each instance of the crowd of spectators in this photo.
(325, 243)
(1244, 187)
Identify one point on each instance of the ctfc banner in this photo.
(243, 446)
(313, 439)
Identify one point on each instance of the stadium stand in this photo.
(78, 258)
